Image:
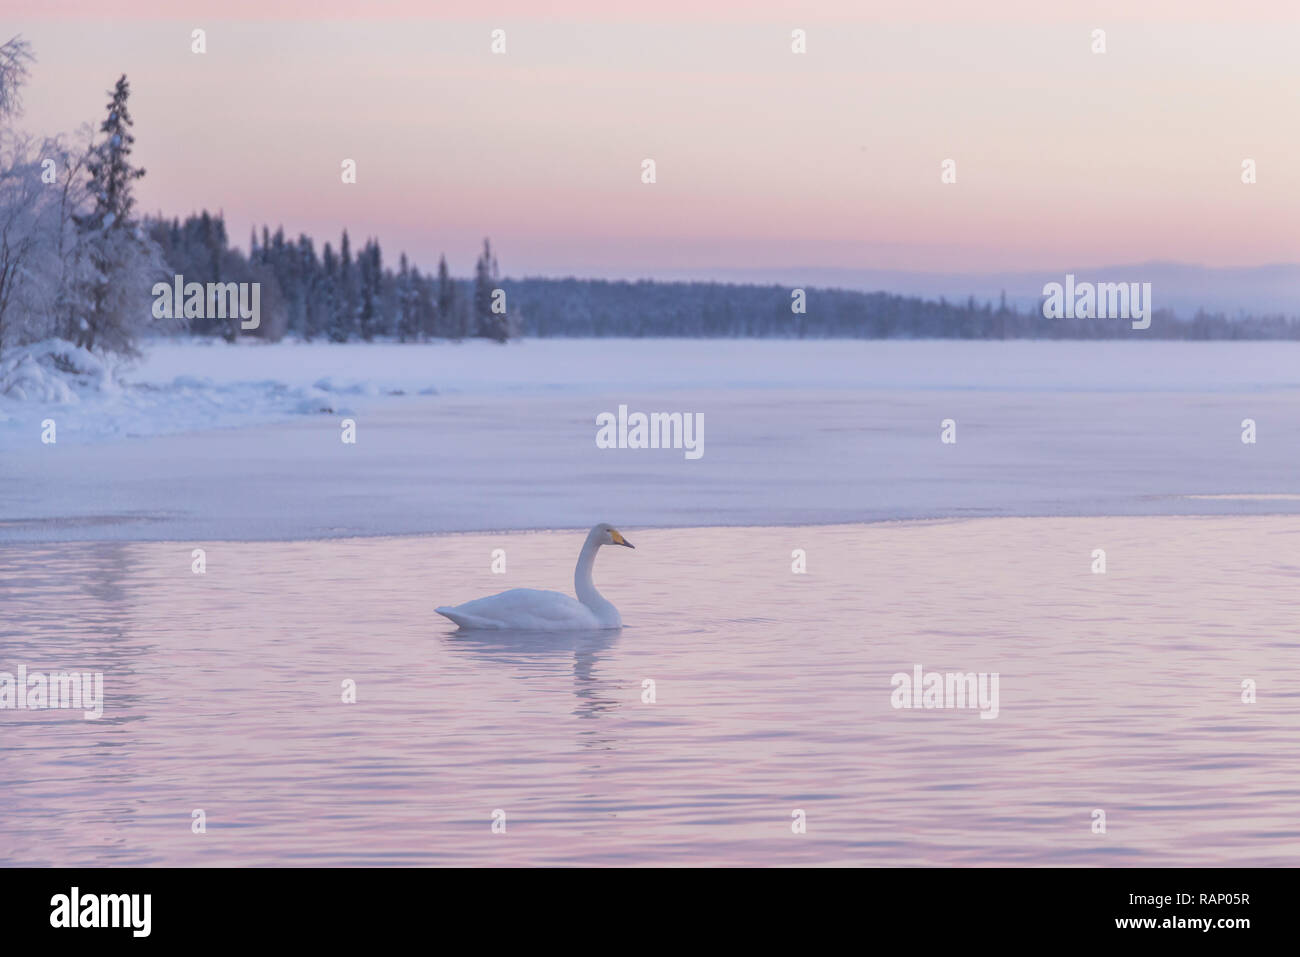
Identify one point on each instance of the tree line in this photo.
(584, 307)
(339, 294)
(76, 262)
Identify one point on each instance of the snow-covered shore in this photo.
(174, 387)
(188, 385)
(482, 437)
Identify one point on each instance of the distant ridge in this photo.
(1181, 287)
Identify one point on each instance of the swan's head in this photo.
(607, 534)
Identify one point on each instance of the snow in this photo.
(188, 384)
(203, 441)
(95, 398)
(54, 373)
(599, 365)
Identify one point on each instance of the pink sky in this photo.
(1065, 158)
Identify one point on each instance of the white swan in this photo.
(533, 610)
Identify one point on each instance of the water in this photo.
(1120, 692)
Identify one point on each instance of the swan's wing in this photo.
(466, 621)
(523, 608)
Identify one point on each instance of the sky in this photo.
(764, 158)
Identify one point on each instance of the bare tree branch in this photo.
(15, 57)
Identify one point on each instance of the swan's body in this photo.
(532, 610)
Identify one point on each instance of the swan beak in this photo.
(619, 539)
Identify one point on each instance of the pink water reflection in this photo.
(1119, 692)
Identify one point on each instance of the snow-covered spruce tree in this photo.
(124, 261)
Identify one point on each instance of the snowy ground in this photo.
(208, 441)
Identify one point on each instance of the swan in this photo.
(533, 610)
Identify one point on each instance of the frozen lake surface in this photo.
(1119, 692)
(209, 442)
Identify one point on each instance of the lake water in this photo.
(1119, 692)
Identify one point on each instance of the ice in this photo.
(797, 432)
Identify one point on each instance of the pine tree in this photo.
(331, 307)
(407, 301)
(344, 319)
(312, 286)
(446, 301)
(370, 283)
(110, 170)
(426, 307)
(123, 259)
(487, 278)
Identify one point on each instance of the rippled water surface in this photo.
(1119, 691)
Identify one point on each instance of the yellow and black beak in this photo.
(618, 538)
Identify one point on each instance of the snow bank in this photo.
(96, 398)
(55, 371)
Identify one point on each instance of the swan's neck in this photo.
(582, 583)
